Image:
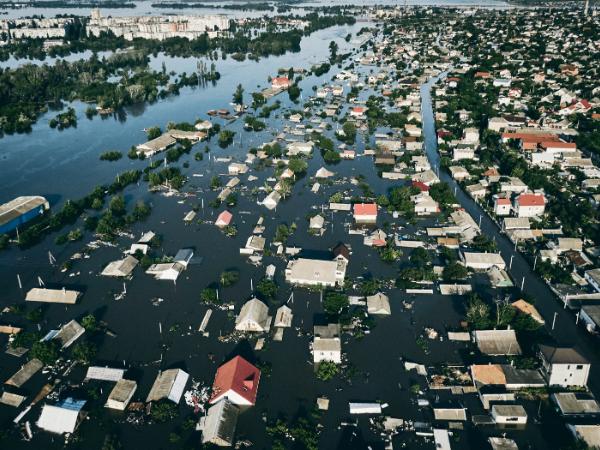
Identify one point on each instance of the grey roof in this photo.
(121, 267)
(25, 373)
(509, 410)
(580, 403)
(104, 373)
(254, 314)
(11, 399)
(123, 390)
(593, 312)
(168, 384)
(562, 355)
(220, 423)
(183, 256)
(69, 333)
(450, 412)
(378, 304)
(522, 376)
(497, 342)
(52, 296)
(499, 443)
(330, 330)
(283, 317)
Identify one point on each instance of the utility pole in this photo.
(522, 283)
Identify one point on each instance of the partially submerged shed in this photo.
(121, 394)
(120, 268)
(218, 426)
(168, 384)
(28, 370)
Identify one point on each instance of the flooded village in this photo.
(387, 238)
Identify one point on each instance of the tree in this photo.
(294, 92)
(111, 441)
(89, 322)
(331, 157)
(297, 165)
(163, 411)
(333, 49)
(327, 370)
(282, 233)
(478, 313)
(238, 95)
(420, 257)
(335, 302)
(484, 244)
(84, 352)
(117, 205)
(153, 132)
(258, 100)
(229, 278)
(215, 182)
(141, 211)
(209, 296)
(349, 133)
(45, 351)
(454, 271)
(267, 288)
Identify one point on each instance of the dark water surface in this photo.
(65, 165)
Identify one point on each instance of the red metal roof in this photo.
(422, 186)
(224, 218)
(236, 375)
(365, 209)
(558, 144)
(280, 81)
(531, 200)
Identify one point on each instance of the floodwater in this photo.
(143, 8)
(65, 165)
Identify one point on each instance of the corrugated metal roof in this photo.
(19, 206)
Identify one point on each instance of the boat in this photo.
(212, 112)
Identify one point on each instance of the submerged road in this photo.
(566, 332)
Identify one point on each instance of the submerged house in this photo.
(327, 345)
(121, 394)
(121, 268)
(64, 417)
(237, 381)
(378, 304)
(365, 213)
(253, 317)
(67, 334)
(497, 342)
(272, 200)
(29, 369)
(283, 317)
(224, 219)
(45, 295)
(168, 384)
(218, 426)
(315, 272)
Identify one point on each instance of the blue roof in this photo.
(72, 404)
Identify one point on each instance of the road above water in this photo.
(566, 332)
